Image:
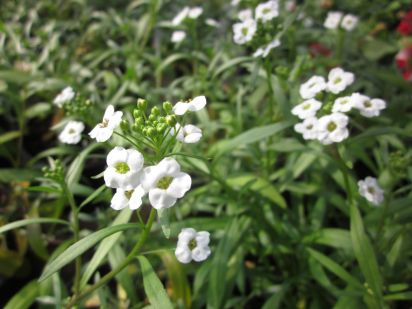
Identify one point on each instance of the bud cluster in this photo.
(79, 106)
(55, 171)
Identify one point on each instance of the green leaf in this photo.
(153, 286)
(80, 247)
(25, 297)
(92, 196)
(275, 300)
(399, 296)
(4, 138)
(365, 255)
(337, 238)
(104, 247)
(18, 174)
(16, 77)
(231, 63)
(20, 223)
(375, 49)
(259, 185)
(44, 189)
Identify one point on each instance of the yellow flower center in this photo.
(164, 182)
(122, 167)
(331, 126)
(192, 244)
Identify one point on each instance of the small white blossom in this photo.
(333, 128)
(212, 22)
(333, 20)
(165, 183)
(308, 22)
(267, 11)
(265, 50)
(245, 14)
(127, 198)
(307, 109)
(312, 87)
(104, 130)
(349, 22)
(192, 245)
(234, 2)
(308, 128)
(188, 134)
(368, 107)
(66, 95)
(243, 32)
(343, 104)
(338, 80)
(195, 12)
(180, 108)
(370, 189)
(178, 36)
(124, 168)
(181, 16)
(72, 132)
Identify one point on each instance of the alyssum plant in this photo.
(146, 168)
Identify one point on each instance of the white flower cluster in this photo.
(331, 127)
(244, 31)
(370, 189)
(186, 12)
(336, 19)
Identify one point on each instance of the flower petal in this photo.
(119, 200)
(136, 199)
(180, 184)
(180, 108)
(159, 199)
(197, 103)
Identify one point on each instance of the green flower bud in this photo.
(161, 127)
(161, 119)
(141, 104)
(167, 107)
(139, 121)
(137, 113)
(136, 127)
(152, 118)
(155, 111)
(151, 132)
(171, 120)
(124, 125)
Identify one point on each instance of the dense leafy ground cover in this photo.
(276, 184)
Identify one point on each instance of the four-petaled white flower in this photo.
(333, 128)
(267, 11)
(180, 108)
(333, 20)
(124, 168)
(370, 189)
(165, 183)
(308, 128)
(192, 245)
(66, 95)
(312, 87)
(72, 132)
(127, 198)
(178, 36)
(104, 130)
(188, 134)
(245, 14)
(307, 109)
(349, 22)
(338, 80)
(342, 104)
(243, 32)
(368, 107)
(264, 50)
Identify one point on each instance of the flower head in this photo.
(124, 167)
(71, 133)
(333, 20)
(165, 183)
(312, 87)
(104, 130)
(368, 107)
(195, 12)
(349, 22)
(338, 80)
(180, 108)
(333, 128)
(370, 189)
(342, 104)
(66, 95)
(405, 26)
(192, 245)
(307, 109)
(178, 36)
(127, 198)
(308, 128)
(181, 16)
(267, 11)
(243, 32)
(188, 134)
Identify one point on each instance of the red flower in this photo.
(318, 49)
(404, 62)
(405, 26)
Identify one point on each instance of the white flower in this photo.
(368, 107)
(72, 132)
(312, 87)
(178, 36)
(342, 104)
(66, 95)
(267, 11)
(307, 109)
(308, 22)
(192, 245)
(349, 22)
(124, 168)
(181, 16)
(243, 32)
(370, 189)
(165, 183)
(234, 2)
(245, 14)
(180, 108)
(195, 12)
(127, 198)
(104, 130)
(212, 22)
(308, 128)
(188, 134)
(338, 80)
(333, 128)
(264, 50)
(333, 20)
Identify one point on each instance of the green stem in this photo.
(76, 298)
